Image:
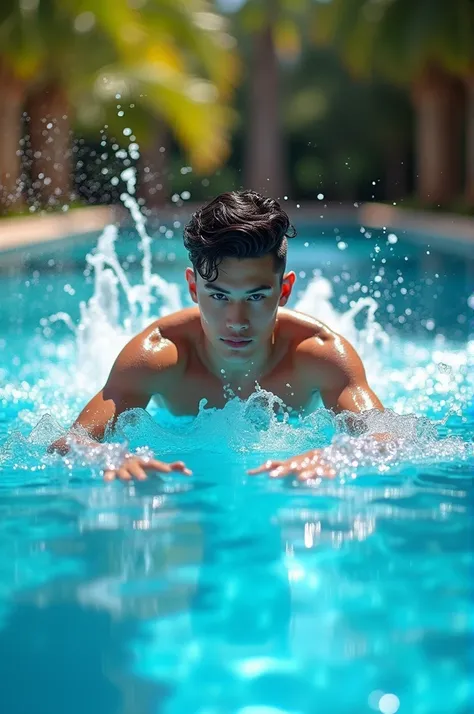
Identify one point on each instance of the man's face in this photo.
(239, 309)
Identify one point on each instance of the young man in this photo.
(238, 334)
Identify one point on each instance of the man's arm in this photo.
(145, 366)
(330, 364)
(337, 371)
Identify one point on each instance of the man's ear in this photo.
(286, 287)
(191, 280)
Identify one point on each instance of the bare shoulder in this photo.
(308, 335)
(319, 351)
(160, 350)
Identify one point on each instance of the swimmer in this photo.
(239, 334)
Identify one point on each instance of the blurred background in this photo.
(357, 100)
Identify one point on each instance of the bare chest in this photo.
(283, 383)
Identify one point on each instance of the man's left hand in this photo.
(310, 465)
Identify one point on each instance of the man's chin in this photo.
(237, 353)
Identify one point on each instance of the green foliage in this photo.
(399, 39)
(340, 130)
(308, 106)
(174, 58)
(202, 189)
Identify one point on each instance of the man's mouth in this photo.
(236, 342)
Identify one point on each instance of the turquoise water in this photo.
(226, 594)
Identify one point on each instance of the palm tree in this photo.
(50, 147)
(269, 34)
(11, 98)
(424, 45)
(264, 153)
(176, 58)
(470, 141)
(18, 63)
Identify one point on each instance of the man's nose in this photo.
(236, 318)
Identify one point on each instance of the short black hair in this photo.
(237, 224)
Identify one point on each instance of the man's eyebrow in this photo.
(260, 287)
(217, 289)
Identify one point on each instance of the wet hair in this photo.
(237, 224)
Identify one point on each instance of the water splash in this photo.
(316, 301)
(370, 341)
(101, 333)
(246, 432)
(261, 425)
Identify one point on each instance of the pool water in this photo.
(223, 593)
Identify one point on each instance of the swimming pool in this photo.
(225, 593)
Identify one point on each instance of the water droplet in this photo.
(374, 699)
(389, 704)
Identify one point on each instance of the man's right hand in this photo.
(135, 467)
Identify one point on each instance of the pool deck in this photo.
(426, 226)
(420, 225)
(30, 230)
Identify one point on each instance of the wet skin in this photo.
(238, 334)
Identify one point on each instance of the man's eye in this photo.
(218, 296)
(257, 297)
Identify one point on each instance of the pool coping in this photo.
(24, 231)
(417, 225)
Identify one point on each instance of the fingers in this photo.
(136, 469)
(285, 469)
(267, 466)
(155, 465)
(123, 474)
(181, 466)
(320, 472)
(304, 467)
(167, 468)
(302, 472)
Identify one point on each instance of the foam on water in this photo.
(80, 365)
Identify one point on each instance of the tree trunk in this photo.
(50, 140)
(264, 150)
(11, 100)
(395, 170)
(470, 141)
(153, 169)
(437, 102)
